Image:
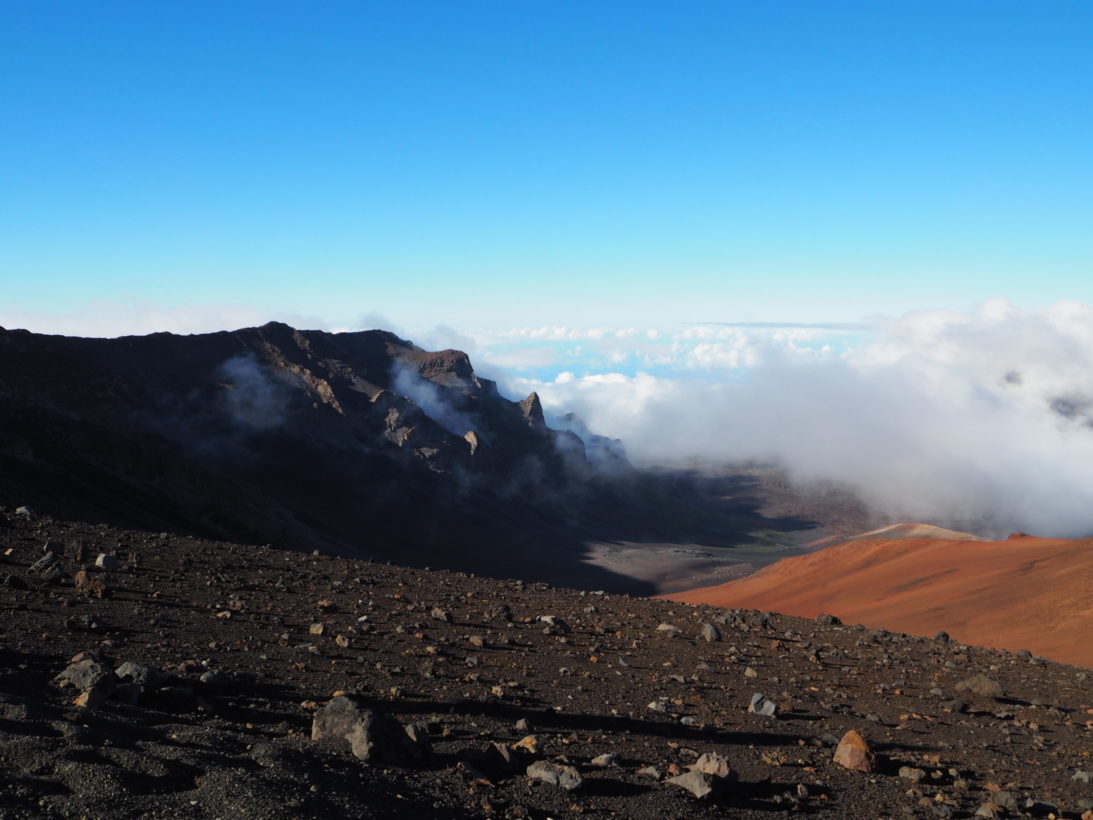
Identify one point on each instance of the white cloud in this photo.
(521, 358)
(983, 418)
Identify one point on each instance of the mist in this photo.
(426, 395)
(253, 398)
(981, 420)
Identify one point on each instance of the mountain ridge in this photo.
(357, 443)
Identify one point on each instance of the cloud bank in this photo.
(982, 419)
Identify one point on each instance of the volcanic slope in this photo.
(357, 444)
(206, 663)
(1021, 593)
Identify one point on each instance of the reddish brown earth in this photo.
(1021, 593)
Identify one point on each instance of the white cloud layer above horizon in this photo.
(980, 419)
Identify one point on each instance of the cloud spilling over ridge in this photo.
(430, 399)
(254, 399)
(982, 420)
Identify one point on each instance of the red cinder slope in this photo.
(1022, 593)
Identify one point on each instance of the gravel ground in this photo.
(254, 640)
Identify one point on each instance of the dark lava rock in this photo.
(701, 784)
(761, 705)
(373, 736)
(145, 678)
(981, 686)
(565, 777)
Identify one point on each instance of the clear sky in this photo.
(513, 164)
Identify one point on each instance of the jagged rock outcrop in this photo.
(602, 452)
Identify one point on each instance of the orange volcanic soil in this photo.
(1022, 593)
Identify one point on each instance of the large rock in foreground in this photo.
(854, 753)
(373, 736)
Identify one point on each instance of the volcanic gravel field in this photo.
(609, 695)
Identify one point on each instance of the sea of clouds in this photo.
(981, 419)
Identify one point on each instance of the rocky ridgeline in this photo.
(157, 675)
(358, 443)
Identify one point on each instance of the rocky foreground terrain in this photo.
(153, 674)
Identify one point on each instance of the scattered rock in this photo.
(93, 680)
(761, 705)
(84, 623)
(1005, 799)
(981, 686)
(89, 584)
(43, 563)
(828, 620)
(555, 774)
(148, 678)
(554, 622)
(714, 764)
(701, 784)
(854, 753)
(605, 760)
(501, 758)
(911, 773)
(373, 736)
(710, 633)
(107, 562)
(529, 744)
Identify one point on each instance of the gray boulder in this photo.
(565, 777)
(701, 784)
(761, 705)
(373, 736)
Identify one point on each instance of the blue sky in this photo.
(519, 164)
